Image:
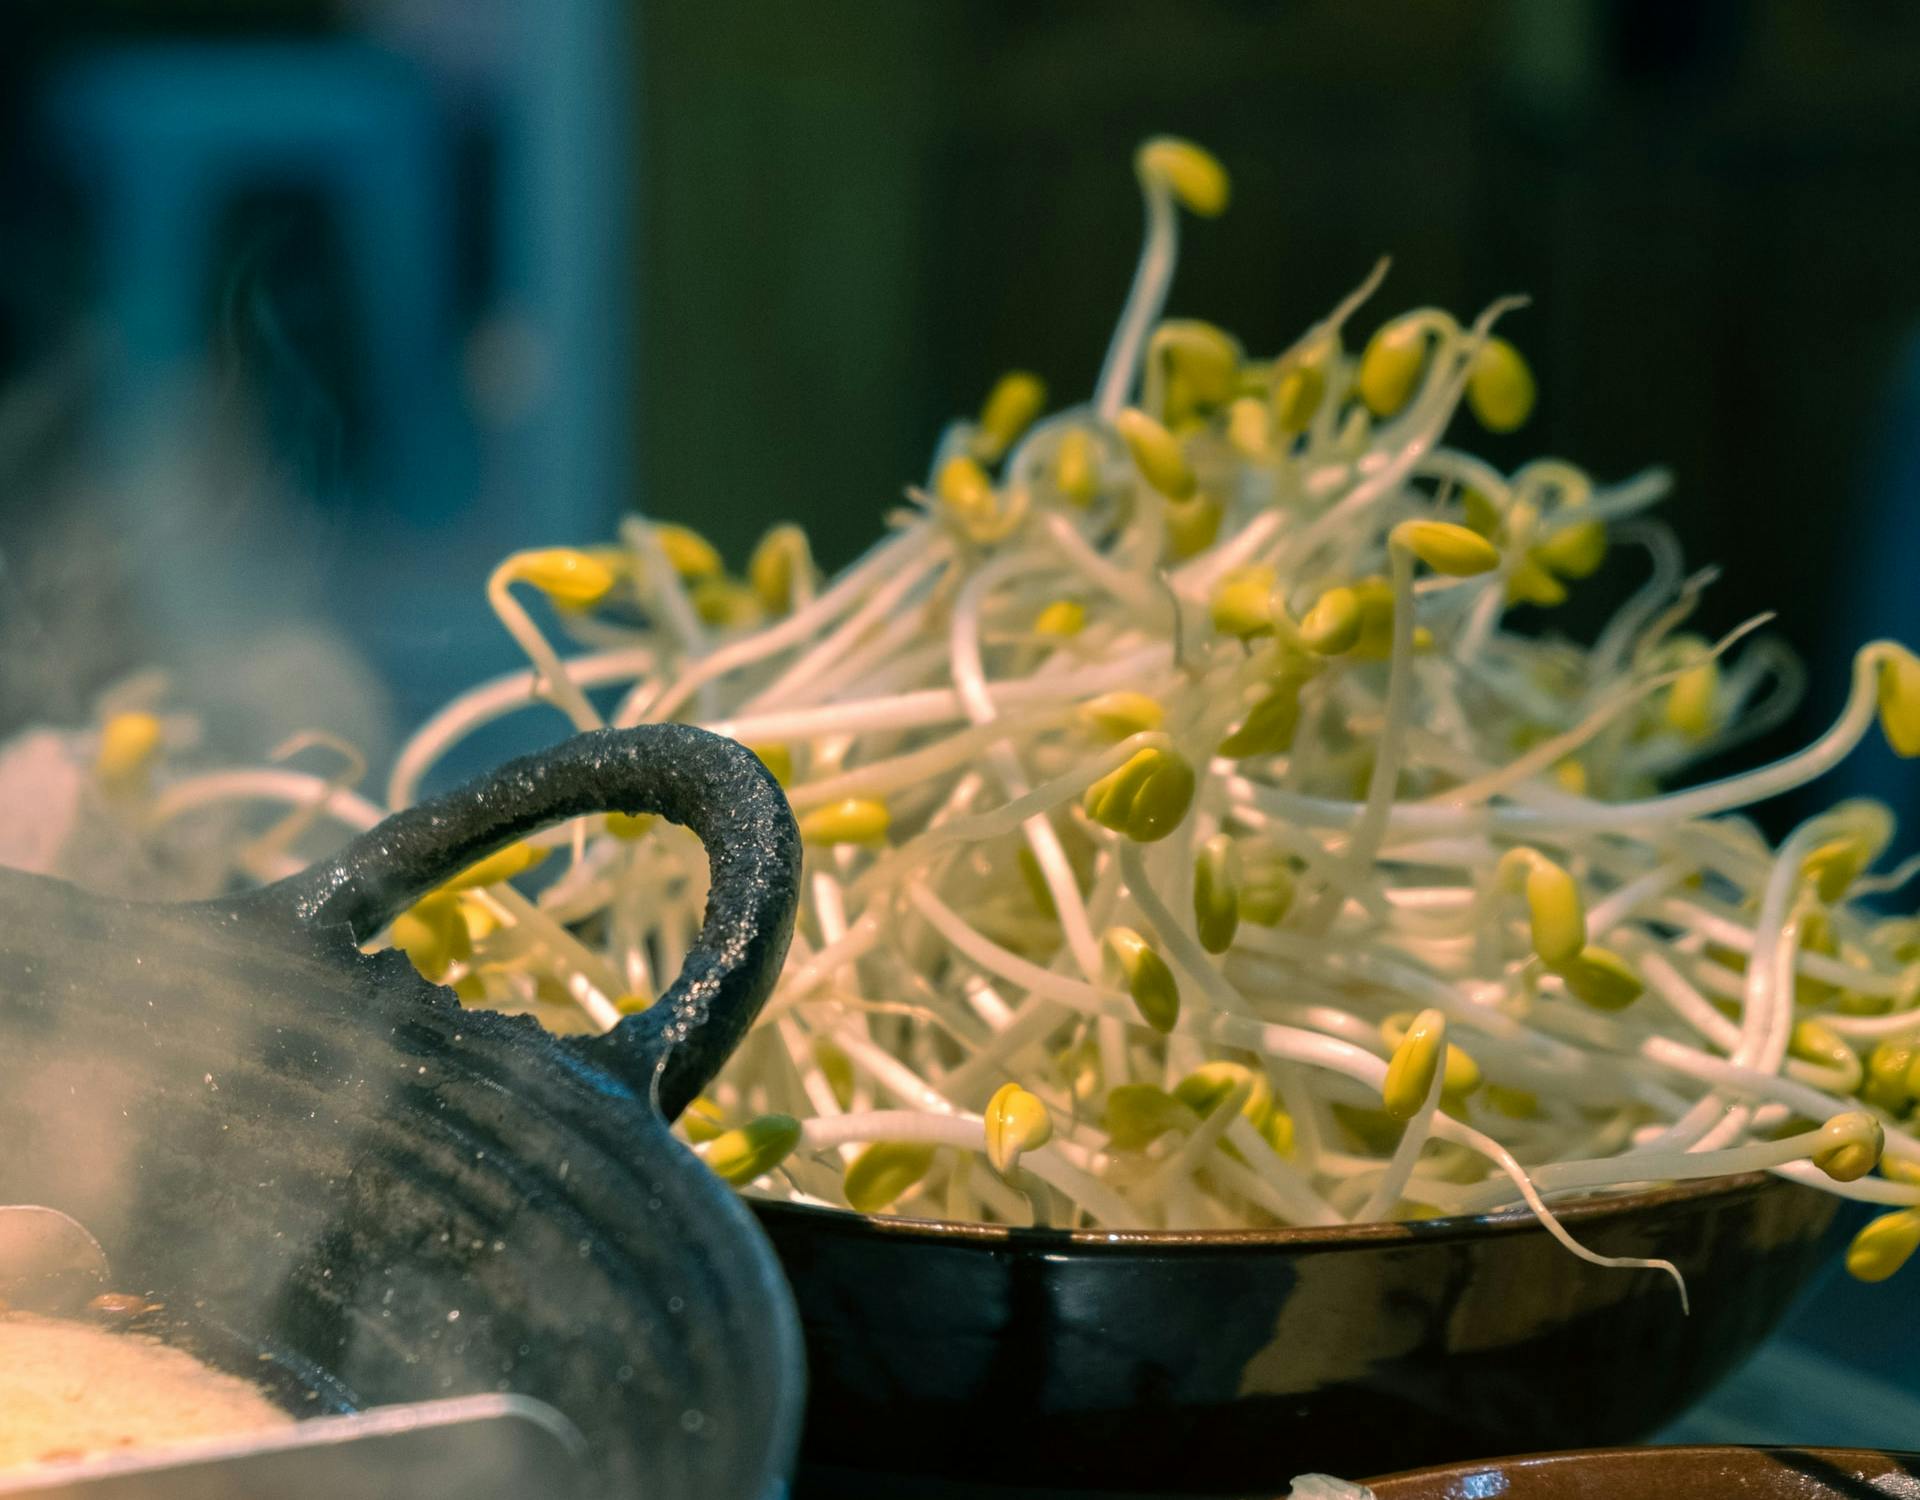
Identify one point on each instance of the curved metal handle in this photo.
(717, 788)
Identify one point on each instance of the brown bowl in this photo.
(1695, 1473)
(1227, 1363)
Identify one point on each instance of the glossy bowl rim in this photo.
(1751, 1459)
(1002, 1237)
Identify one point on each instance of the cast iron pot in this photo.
(947, 1355)
(334, 1176)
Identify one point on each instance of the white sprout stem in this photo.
(1451, 1130)
(1267, 1180)
(874, 609)
(942, 676)
(969, 680)
(1371, 1072)
(1151, 277)
(1663, 1166)
(1881, 885)
(1195, 578)
(1197, 1149)
(1893, 1023)
(1122, 583)
(1543, 756)
(968, 1133)
(495, 699)
(294, 788)
(1013, 814)
(1428, 819)
(661, 581)
(555, 682)
(796, 629)
(270, 847)
(919, 767)
(1372, 825)
(1413, 1139)
(1665, 981)
(566, 950)
(1727, 933)
(1767, 1014)
(928, 707)
(1862, 1190)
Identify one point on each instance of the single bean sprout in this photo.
(1205, 829)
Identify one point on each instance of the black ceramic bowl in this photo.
(1226, 1363)
(335, 1176)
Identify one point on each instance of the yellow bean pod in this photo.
(884, 1173)
(1015, 1121)
(750, 1151)
(1191, 173)
(1150, 983)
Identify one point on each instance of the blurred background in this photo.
(309, 311)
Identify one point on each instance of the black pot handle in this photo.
(717, 788)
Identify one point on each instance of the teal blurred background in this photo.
(309, 311)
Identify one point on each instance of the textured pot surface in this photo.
(313, 1155)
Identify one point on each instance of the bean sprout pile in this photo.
(1204, 827)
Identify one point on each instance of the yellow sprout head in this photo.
(1884, 1246)
(1199, 366)
(1076, 467)
(571, 578)
(779, 565)
(1192, 174)
(687, 552)
(1064, 618)
(753, 1150)
(1899, 682)
(1332, 626)
(1138, 1114)
(1016, 1121)
(1297, 395)
(1267, 886)
(1456, 551)
(1155, 993)
(1121, 713)
(1010, 409)
(1269, 725)
(1415, 1064)
(1391, 366)
(128, 744)
(852, 820)
(884, 1173)
(1156, 454)
(1850, 1145)
(1209, 1086)
(1242, 604)
(1146, 798)
(433, 933)
(1216, 893)
(1500, 390)
(1601, 978)
(515, 859)
(964, 488)
(1555, 911)
(1462, 1074)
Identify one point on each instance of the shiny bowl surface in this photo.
(1228, 1362)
